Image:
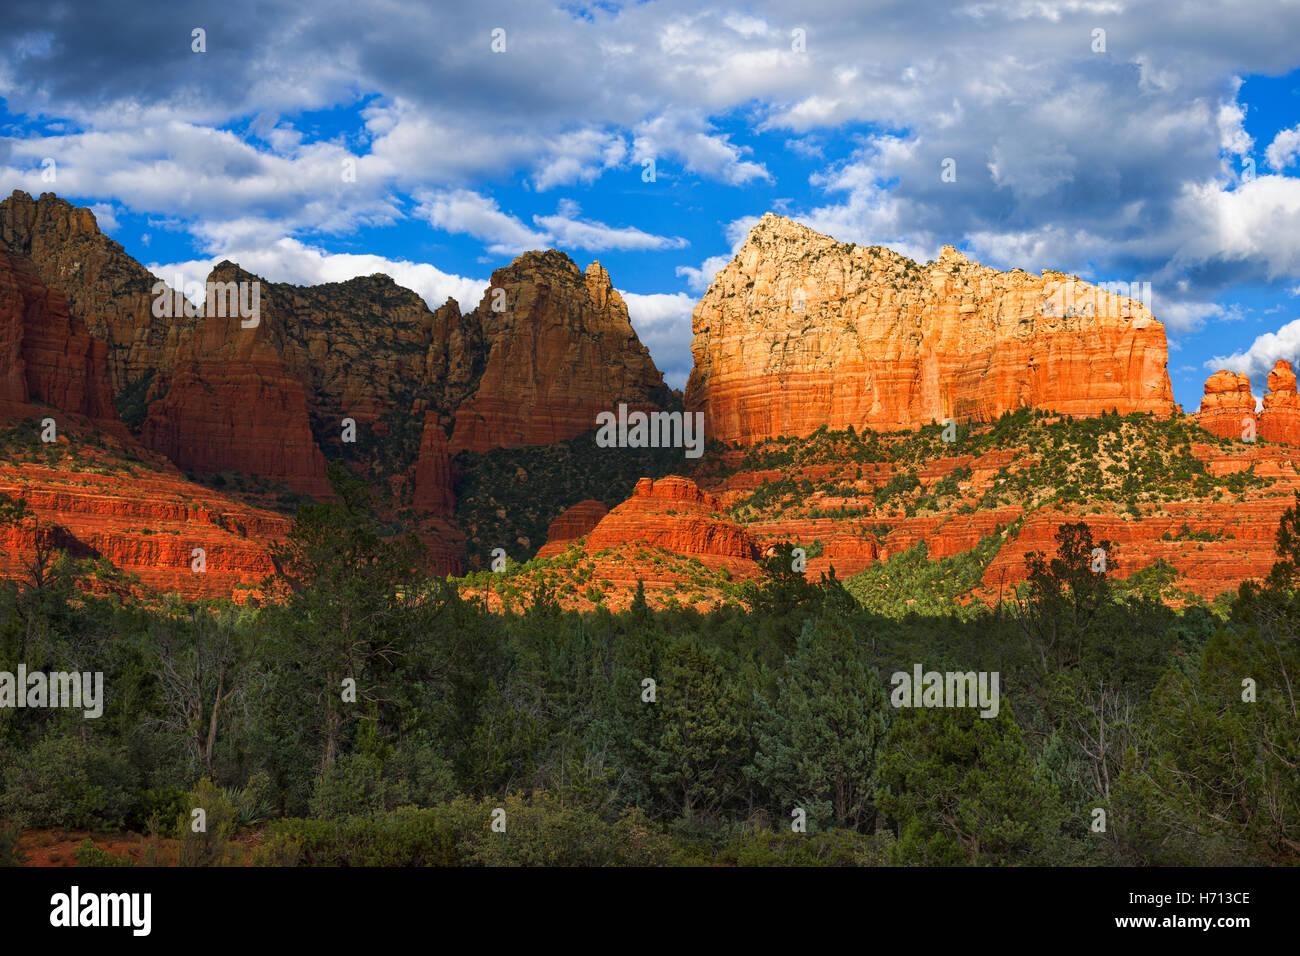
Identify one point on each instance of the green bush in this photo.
(211, 845)
(88, 854)
(539, 831)
(69, 783)
(824, 848)
(361, 783)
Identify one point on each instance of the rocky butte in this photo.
(562, 349)
(800, 331)
(1228, 406)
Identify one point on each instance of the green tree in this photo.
(819, 739)
(964, 789)
(1063, 596)
(357, 605)
(703, 743)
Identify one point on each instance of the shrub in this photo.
(211, 845)
(825, 848)
(88, 854)
(69, 783)
(10, 835)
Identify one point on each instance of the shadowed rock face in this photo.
(560, 350)
(270, 400)
(800, 331)
(106, 289)
(46, 355)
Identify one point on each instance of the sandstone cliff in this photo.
(46, 355)
(1228, 406)
(800, 331)
(433, 473)
(673, 513)
(232, 403)
(561, 349)
(1280, 419)
(105, 287)
(571, 524)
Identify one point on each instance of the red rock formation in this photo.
(433, 479)
(571, 524)
(105, 287)
(841, 547)
(673, 513)
(800, 331)
(146, 520)
(1228, 407)
(1280, 420)
(45, 354)
(231, 404)
(561, 350)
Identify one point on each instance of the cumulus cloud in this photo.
(686, 136)
(466, 212)
(1262, 354)
(289, 260)
(699, 280)
(1285, 148)
(663, 323)
(567, 230)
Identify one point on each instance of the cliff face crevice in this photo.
(800, 331)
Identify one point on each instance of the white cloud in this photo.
(466, 212)
(579, 156)
(105, 215)
(1284, 150)
(1233, 137)
(289, 260)
(1257, 360)
(663, 323)
(699, 280)
(687, 137)
(1257, 223)
(565, 229)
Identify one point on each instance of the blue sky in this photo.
(1166, 150)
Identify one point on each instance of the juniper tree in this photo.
(819, 739)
